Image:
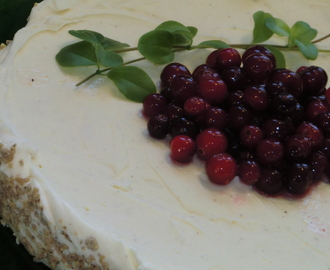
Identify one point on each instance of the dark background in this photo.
(13, 16)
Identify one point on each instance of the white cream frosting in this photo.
(100, 175)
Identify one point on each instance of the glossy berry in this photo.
(314, 80)
(239, 116)
(215, 117)
(284, 103)
(262, 50)
(297, 146)
(298, 178)
(226, 58)
(322, 121)
(154, 104)
(205, 74)
(183, 148)
(257, 67)
(235, 78)
(274, 128)
(173, 111)
(213, 91)
(234, 98)
(172, 70)
(158, 126)
(314, 108)
(275, 87)
(311, 132)
(249, 171)
(195, 106)
(250, 136)
(270, 181)
(210, 142)
(211, 59)
(221, 169)
(269, 151)
(290, 79)
(256, 97)
(183, 87)
(183, 126)
(317, 162)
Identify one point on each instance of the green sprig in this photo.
(160, 45)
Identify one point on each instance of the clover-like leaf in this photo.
(107, 58)
(302, 32)
(215, 44)
(156, 46)
(78, 54)
(261, 32)
(193, 30)
(132, 82)
(111, 44)
(88, 35)
(309, 50)
(182, 34)
(278, 26)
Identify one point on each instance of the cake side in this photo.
(104, 194)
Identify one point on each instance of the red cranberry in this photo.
(270, 181)
(182, 87)
(195, 106)
(172, 70)
(158, 126)
(262, 50)
(183, 126)
(298, 178)
(235, 78)
(314, 80)
(257, 67)
(290, 79)
(226, 58)
(311, 132)
(274, 128)
(215, 117)
(206, 74)
(154, 104)
(297, 146)
(269, 151)
(213, 91)
(251, 136)
(211, 59)
(239, 116)
(183, 148)
(221, 169)
(256, 97)
(322, 121)
(315, 108)
(317, 162)
(210, 142)
(249, 171)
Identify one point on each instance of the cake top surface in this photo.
(98, 172)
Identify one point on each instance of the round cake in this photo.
(82, 184)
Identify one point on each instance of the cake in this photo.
(83, 186)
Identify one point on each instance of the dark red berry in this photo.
(251, 136)
(298, 178)
(269, 151)
(182, 87)
(173, 111)
(257, 67)
(215, 117)
(262, 50)
(221, 169)
(172, 70)
(322, 121)
(311, 132)
(270, 181)
(314, 108)
(214, 91)
(235, 78)
(274, 128)
(158, 126)
(284, 103)
(239, 116)
(314, 80)
(154, 104)
(183, 148)
(210, 142)
(249, 171)
(183, 126)
(256, 97)
(297, 146)
(226, 58)
(317, 162)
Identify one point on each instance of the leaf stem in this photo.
(321, 39)
(97, 72)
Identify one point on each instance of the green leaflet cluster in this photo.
(160, 45)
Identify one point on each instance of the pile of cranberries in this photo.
(244, 117)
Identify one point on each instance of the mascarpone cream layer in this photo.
(99, 173)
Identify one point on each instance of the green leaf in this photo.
(309, 50)
(111, 44)
(261, 32)
(280, 59)
(107, 58)
(182, 34)
(77, 54)
(88, 35)
(278, 26)
(215, 44)
(193, 30)
(156, 46)
(132, 82)
(302, 32)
